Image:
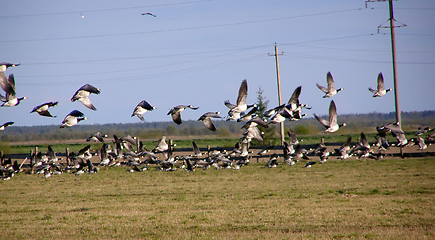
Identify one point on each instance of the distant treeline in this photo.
(152, 130)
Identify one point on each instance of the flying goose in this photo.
(43, 109)
(142, 108)
(330, 90)
(96, 137)
(293, 138)
(240, 106)
(175, 112)
(380, 91)
(73, 118)
(5, 125)
(344, 150)
(149, 14)
(82, 94)
(331, 125)
(206, 119)
(6, 65)
(161, 145)
(249, 115)
(196, 151)
(8, 85)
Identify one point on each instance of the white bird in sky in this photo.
(175, 112)
(206, 119)
(72, 119)
(8, 85)
(141, 109)
(43, 109)
(82, 94)
(331, 124)
(380, 91)
(330, 90)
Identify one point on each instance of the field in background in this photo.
(390, 198)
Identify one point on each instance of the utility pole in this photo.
(393, 53)
(279, 88)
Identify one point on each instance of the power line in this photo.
(145, 57)
(181, 29)
(104, 10)
(318, 57)
(151, 75)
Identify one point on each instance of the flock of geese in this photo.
(129, 151)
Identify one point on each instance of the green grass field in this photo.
(386, 199)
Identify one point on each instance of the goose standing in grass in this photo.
(206, 119)
(43, 109)
(331, 125)
(8, 85)
(380, 91)
(273, 161)
(175, 112)
(5, 125)
(141, 109)
(240, 106)
(72, 119)
(82, 94)
(329, 91)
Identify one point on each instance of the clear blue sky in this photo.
(198, 52)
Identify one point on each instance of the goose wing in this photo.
(209, 124)
(324, 122)
(90, 88)
(8, 85)
(322, 88)
(330, 81)
(332, 113)
(295, 96)
(87, 102)
(146, 105)
(380, 82)
(243, 93)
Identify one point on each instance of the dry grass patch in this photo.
(336, 200)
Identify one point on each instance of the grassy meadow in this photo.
(385, 199)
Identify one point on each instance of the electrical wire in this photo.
(104, 10)
(181, 29)
(165, 73)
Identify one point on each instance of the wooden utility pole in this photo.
(279, 88)
(393, 54)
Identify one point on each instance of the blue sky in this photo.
(198, 52)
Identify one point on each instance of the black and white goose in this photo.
(240, 106)
(380, 91)
(43, 109)
(206, 119)
(82, 94)
(141, 108)
(175, 112)
(5, 125)
(96, 137)
(8, 85)
(344, 150)
(331, 124)
(72, 119)
(329, 91)
(6, 65)
(161, 145)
